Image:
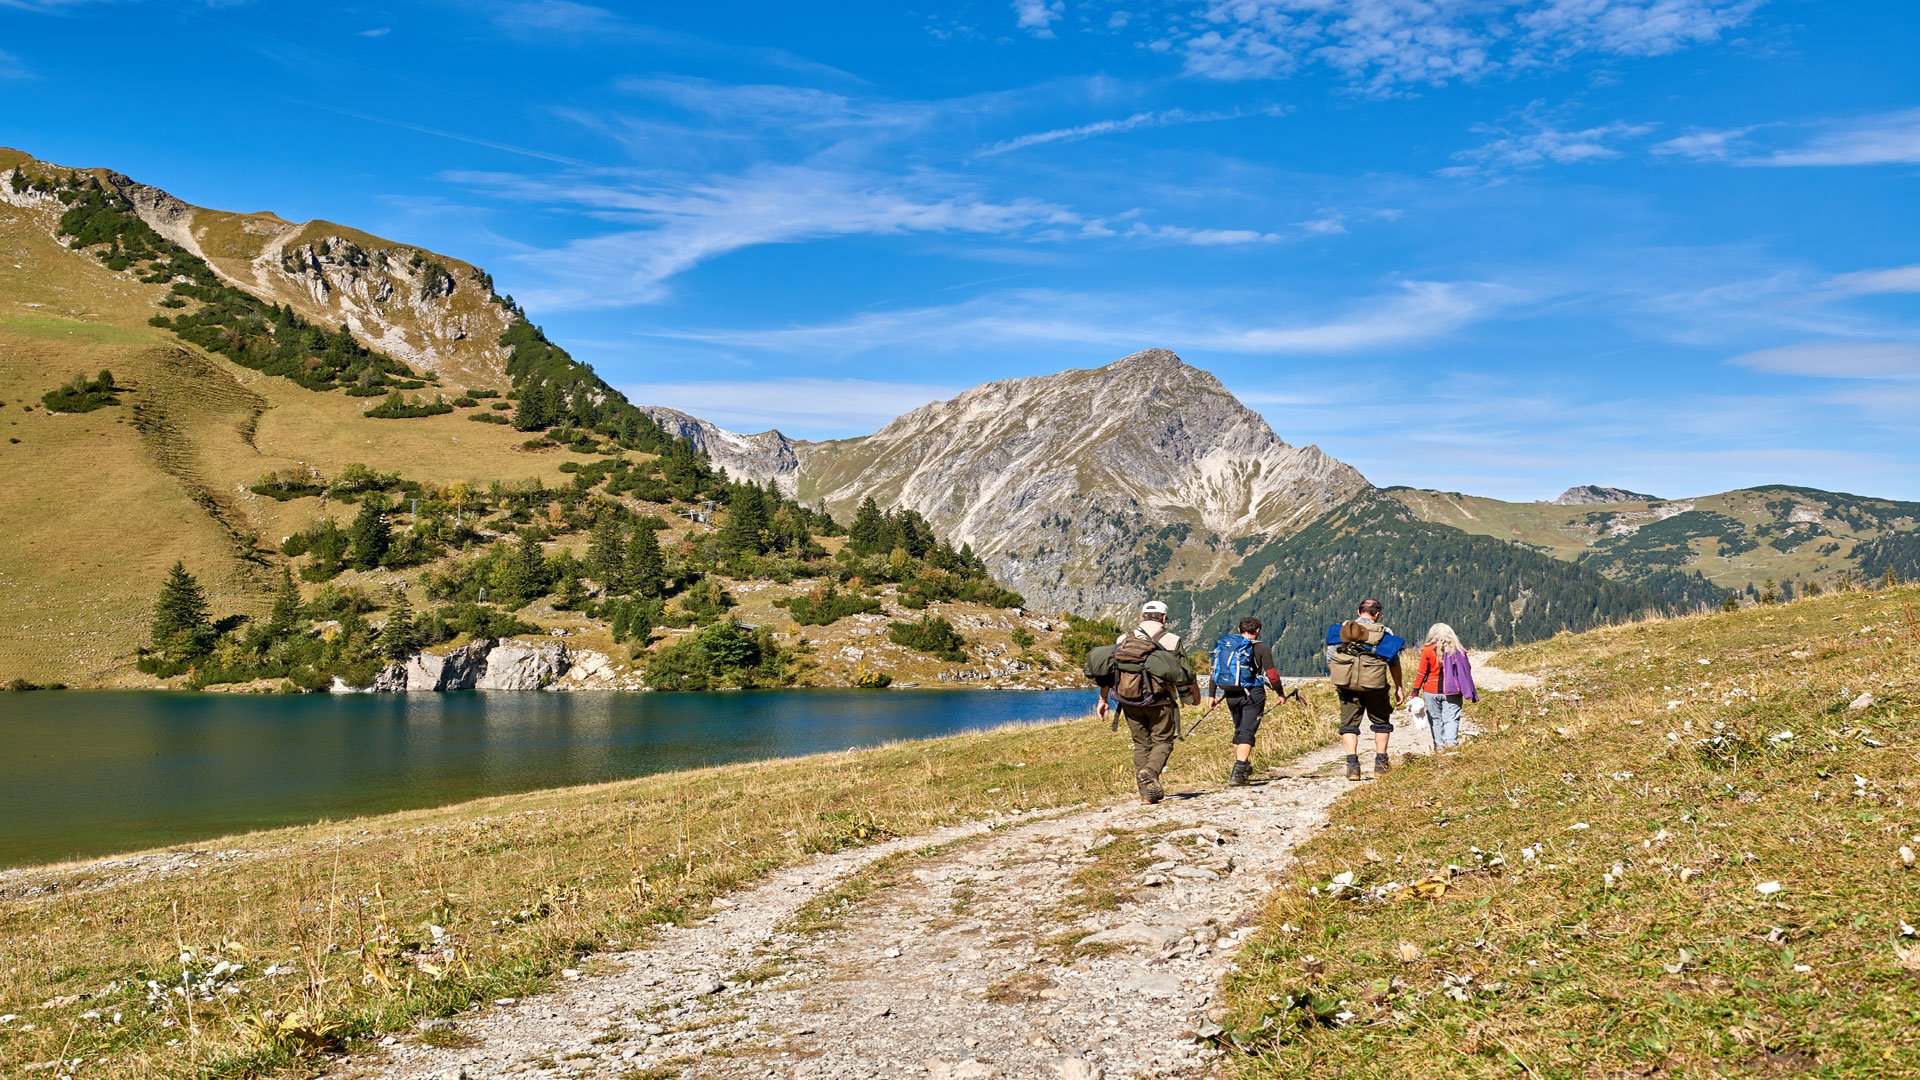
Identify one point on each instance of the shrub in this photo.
(723, 654)
(396, 407)
(82, 394)
(825, 606)
(933, 635)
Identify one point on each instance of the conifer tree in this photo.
(368, 537)
(399, 638)
(607, 558)
(747, 527)
(1731, 603)
(868, 533)
(646, 566)
(180, 623)
(286, 606)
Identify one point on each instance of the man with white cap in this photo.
(1154, 722)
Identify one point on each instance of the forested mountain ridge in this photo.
(432, 311)
(1493, 592)
(319, 506)
(1796, 537)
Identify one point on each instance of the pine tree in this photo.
(747, 527)
(868, 533)
(180, 624)
(286, 606)
(1731, 603)
(368, 537)
(607, 557)
(399, 638)
(646, 566)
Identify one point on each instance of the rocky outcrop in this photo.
(485, 664)
(1595, 495)
(759, 458)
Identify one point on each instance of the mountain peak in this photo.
(1595, 495)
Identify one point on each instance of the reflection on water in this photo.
(86, 773)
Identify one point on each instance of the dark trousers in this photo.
(1374, 704)
(1245, 704)
(1153, 728)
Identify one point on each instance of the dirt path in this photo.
(1083, 944)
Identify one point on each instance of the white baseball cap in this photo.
(1153, 607)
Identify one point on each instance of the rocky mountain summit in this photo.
(768, 456)
(1595, 495)
(1083, 489)
(432, 311)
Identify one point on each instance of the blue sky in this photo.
(1500, 246)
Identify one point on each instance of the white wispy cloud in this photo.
(378, 31)
(1037, 17)
(1412, 312)
(1884, 139)
(806, 407)
(1837, 360)
(682, 224)
(1898, 279)
(566, 19)
(1382, 46)
(1139, 120)
(12, 68)
(1531, 138)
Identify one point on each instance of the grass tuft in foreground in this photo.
(262, 951)
(1688, 853)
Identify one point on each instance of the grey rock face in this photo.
(481, 665)
(520, 667)
(1595, 495)
(759, 458)
(1078, 488)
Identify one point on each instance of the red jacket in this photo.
(1428, 679)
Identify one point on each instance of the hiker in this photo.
(1443, 681)
(1242, 671)
(1144, 673)
(1362, 654)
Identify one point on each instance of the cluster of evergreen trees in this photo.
(287, 645)
(82, 394)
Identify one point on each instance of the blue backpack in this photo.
(1233, 662)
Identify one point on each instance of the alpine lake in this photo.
(90, 773)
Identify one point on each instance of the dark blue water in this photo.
(89, 773)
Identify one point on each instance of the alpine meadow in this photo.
(1026, 540)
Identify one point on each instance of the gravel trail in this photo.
(1079, 944)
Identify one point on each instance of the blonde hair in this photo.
(1443, 639)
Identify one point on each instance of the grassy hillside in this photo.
(1688, 853)
(1493, 592)
(1799, 537)
(232, 430)
(331, 921)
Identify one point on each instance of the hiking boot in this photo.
(1150, 790)
(1381, 764)
(1242, 774)
(1353, 766)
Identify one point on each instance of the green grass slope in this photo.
(1492, 591)
(1687, 853)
